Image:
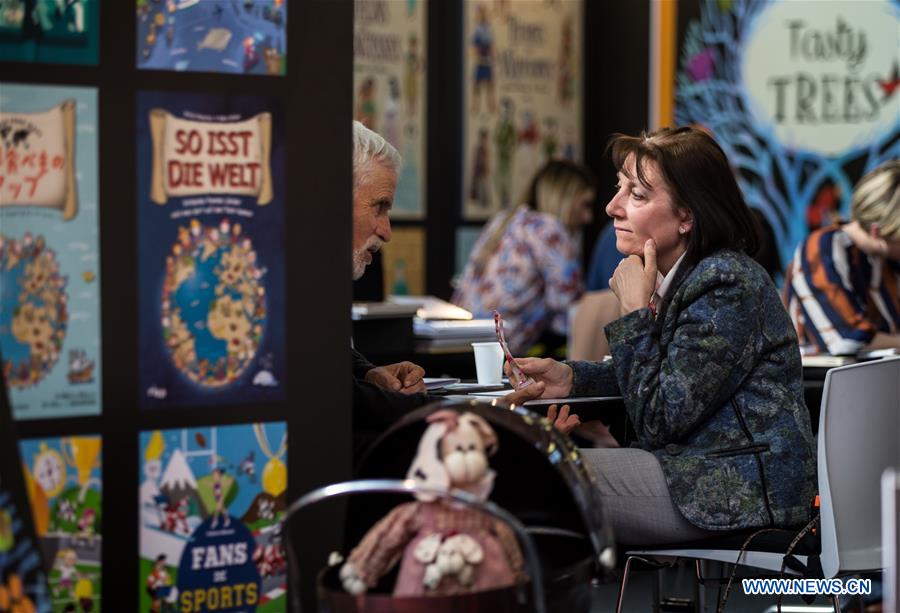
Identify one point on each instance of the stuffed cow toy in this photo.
(444, 548)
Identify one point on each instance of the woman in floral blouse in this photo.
(526, 264)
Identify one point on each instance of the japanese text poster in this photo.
(49, 255)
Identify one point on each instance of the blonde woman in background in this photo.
(842, 288)
(526, 263)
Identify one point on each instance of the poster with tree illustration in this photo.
(64, 481)
(211, 504)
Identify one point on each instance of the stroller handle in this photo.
(408, 486)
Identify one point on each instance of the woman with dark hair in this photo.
(703, 353)
(525, 263)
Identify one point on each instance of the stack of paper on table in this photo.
(455, 329)
(375, 310)
(826, 361)
(436, 383)
(432, 307)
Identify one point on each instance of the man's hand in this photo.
(403, 377)
(564, 422)
(634, 280)
(555, 377)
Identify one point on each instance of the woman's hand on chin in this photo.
(634, 280)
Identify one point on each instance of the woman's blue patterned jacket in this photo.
(713, 387)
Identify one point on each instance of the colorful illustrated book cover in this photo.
(23, 582)
(210, 249)
(800, 120)
(236, 36)
(390, 71)
(63, 478)
(211, 504)
(522, 97)
(49, 250)
(49, 31)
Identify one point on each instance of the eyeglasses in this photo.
(517, 378)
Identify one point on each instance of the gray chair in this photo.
(857, 441)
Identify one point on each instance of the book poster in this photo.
(49, 250)
(49, 31)
(804, 103)
(63, 478)
(522, 96)
(244, 37)
(23, 582)
(211, 505)
(404, 262)
(210, 193)
(389, 85)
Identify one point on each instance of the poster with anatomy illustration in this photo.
(211, 504)
(389, 86)
(49, 250)
(210, 190)
(522, 96)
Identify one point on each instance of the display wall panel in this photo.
(49, 250)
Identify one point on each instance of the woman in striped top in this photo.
(842, 288)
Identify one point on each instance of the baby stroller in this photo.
(540, 482)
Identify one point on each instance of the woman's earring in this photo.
(682, 230)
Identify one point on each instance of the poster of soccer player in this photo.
(211, 504)
(64, 483)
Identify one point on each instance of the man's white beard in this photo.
(359, 256)
(359, 263)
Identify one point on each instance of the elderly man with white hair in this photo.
(381, 394)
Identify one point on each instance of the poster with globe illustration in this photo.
(211, 503)
(49, 254)
(210, 189)
(63, 479)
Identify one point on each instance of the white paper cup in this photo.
(488, 363)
